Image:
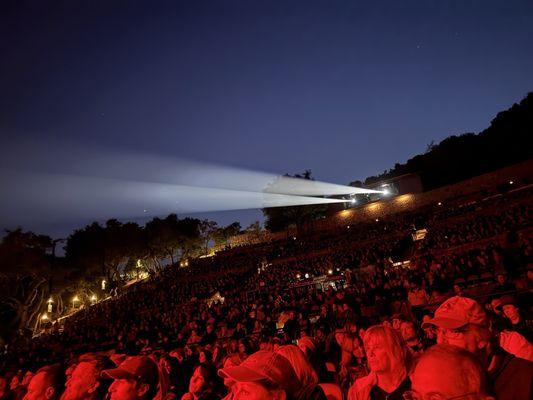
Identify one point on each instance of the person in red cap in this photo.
(462, 322)
(264, 375)
(136, 378)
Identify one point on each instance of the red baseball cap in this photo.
(264, 367)
(457, 312)
(136, 368)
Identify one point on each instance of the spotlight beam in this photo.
(69, 197)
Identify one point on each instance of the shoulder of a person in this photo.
(521, 364)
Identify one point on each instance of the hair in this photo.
(470, 373)
(213, 383)
(300, 364)
(208, 355)
(390, 338)
(100, 363)
(55, 377)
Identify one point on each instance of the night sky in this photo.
(344, 88)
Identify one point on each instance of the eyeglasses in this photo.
(412, 395)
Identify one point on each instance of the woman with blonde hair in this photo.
(388, 361)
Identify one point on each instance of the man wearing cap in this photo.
(264, 375)
(517, 322)
(136, 378)
(462, 322)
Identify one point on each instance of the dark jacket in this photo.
(511, 377)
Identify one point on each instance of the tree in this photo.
(254, 230)
(191, 242)
(207, 232)
(504, 142)
(222, 235)
(100, 251)
(25, 268)
(280, 218)
(164, 237)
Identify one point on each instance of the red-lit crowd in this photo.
(451, 326)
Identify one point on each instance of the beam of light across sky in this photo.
(66, 197)
(76, 160)
(92, 184)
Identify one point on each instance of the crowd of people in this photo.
(253, 324)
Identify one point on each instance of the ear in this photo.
(143, 389)
(49, 392)
(93, 388)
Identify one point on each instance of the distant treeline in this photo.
(505, 142)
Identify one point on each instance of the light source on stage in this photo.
(298, 276)
(306, 276)
(330, 272)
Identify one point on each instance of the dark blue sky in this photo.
(344, 88)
